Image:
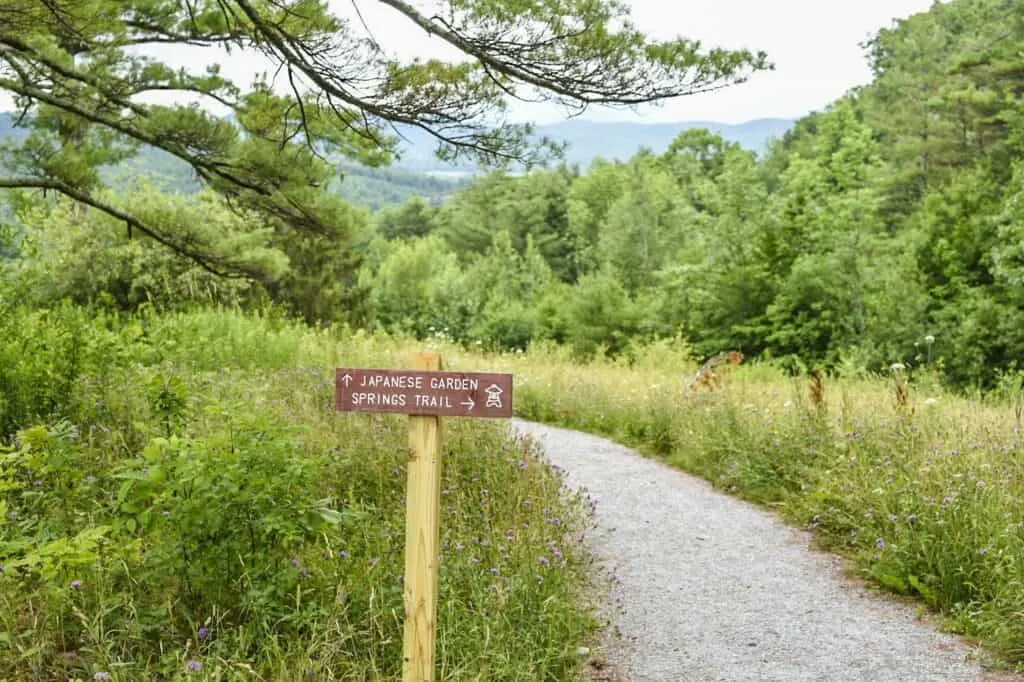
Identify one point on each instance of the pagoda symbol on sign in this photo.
(493, 395)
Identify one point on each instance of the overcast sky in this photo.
(815, 45)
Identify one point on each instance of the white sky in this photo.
(815, 45)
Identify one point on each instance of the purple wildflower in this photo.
(880, 543)
(102, 675)
(203, 633)
(194, 665)
(544, 561)
(522, 464)
(980, 484)
(343, 554)
(76, 584)
(494, 570)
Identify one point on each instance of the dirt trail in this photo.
(713, 588)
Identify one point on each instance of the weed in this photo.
(182, 500)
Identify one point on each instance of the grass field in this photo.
(180, 501)
(921, 488)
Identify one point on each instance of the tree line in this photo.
(887, 228)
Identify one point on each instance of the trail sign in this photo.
(418, 392)
(425, 394)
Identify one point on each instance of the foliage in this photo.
(86, 256)
(889, 217)
(84, 75)
(179, 498)
(920, 488)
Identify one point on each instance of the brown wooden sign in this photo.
(450, 394)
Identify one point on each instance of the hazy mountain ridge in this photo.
(588, 141)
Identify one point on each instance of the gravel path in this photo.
(712, 588)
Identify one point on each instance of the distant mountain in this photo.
(588, 141)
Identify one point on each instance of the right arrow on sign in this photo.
(470, 403)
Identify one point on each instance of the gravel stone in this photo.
(713, 588)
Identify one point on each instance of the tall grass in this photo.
(180, 500)
(922, 489)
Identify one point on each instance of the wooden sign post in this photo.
(425, 394)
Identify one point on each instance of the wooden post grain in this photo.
(422, 540)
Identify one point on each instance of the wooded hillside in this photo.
(885, 229)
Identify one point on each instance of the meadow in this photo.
(920, 488)
(180, 501)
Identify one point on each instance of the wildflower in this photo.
(203, 633)
(880, 543)
(897, 367)
(893, 518)
(343, 554)
(76, 584)
(522, 464)
(102, 675)
(544, 561)
(494, 570)
(929, 339)
(931, 401)
(947, 500)
(194, 665)
(912, 518)
(980, 484)
(459, 547)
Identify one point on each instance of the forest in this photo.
(884, 229)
